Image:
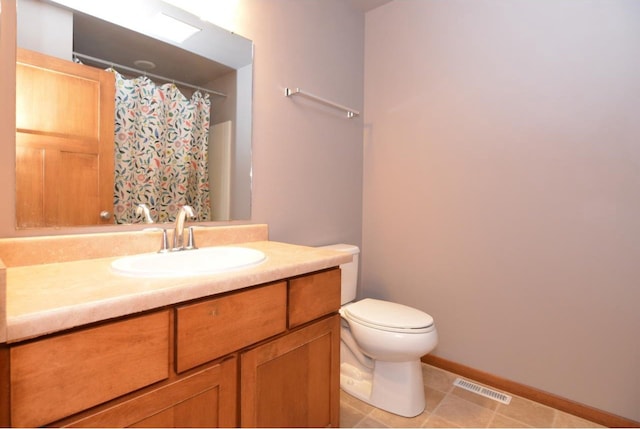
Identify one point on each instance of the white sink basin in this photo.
(207, 260)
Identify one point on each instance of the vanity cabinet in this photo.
(266, 355)
(61, 375)
(213, 328)
(313, 296)
(293, 381)
(206, 398)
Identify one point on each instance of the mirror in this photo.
(98, 34)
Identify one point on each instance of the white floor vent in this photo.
(483, 391)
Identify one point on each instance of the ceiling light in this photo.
(171, 28)
(144, 64)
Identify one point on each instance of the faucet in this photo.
(178, 230)
(143, 209)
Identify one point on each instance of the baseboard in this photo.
(542, 397)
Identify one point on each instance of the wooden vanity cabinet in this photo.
(313, 296)
(57, 376)
(205, 398)
(294, 380)
(262, 356)
(213, 328)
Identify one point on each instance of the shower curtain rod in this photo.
(142, 72)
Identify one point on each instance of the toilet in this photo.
(381, 344)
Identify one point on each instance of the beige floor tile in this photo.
(449, 406)
(368, 422)
(438, 422)
(565, 420)
(528, 412)
(356, 403)
(433, 398)
(349, 416)
(463, 413)
(396, 421)
(437, 378)
(500, 421)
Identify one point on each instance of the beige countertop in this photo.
(50, 297)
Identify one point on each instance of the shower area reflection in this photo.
(191, 117)
(161, 150)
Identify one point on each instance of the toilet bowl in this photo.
(381, 344)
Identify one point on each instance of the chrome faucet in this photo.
(178, 230)
(143, 210)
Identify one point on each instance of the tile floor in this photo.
(450, 406)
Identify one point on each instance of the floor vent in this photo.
(483, 391)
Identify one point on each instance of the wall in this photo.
(45, 28)
(502, 184)
(307, 159)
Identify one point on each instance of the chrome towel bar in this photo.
(351, 113)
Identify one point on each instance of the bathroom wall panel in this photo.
(307, 159)
(500, 186)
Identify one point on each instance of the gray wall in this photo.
(307, 158)
(502, 185)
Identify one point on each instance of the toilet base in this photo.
(396, 387)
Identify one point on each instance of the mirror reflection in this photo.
(119, 125)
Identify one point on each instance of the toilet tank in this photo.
(349, 271)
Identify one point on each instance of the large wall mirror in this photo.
(209, 67)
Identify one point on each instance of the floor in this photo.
(451, 406)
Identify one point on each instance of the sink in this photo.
(206, 260)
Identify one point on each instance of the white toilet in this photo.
(381, 346)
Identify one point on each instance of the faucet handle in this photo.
(164, 246)
(191, 241)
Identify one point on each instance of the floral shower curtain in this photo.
(161, 141)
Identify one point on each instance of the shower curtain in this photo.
(161, 140)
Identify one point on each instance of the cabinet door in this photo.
(200, 411)
(293, 381)
(206, 398)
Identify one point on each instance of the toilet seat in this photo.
(388, 316)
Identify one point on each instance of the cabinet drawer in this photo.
(219, 326)
(59, 376)
(313, 296)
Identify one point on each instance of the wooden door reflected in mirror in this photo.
(64, 142)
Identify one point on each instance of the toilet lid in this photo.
(389, 316)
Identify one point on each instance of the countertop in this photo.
(51, 297)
